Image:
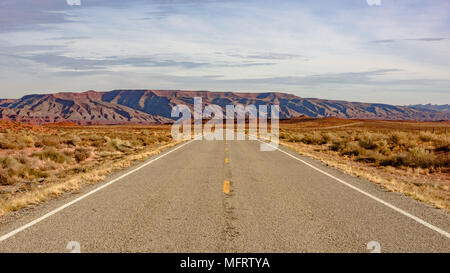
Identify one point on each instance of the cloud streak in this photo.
(410, 39)
(360, 78)
(71, 63)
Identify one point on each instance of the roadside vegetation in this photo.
(411, 158)
(38, 163)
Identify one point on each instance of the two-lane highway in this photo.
(228, 196)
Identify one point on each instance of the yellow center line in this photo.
(226, 149)
(227, 160)
(226, 186)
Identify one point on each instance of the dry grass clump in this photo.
(81, 154)
(37, 163)
(72, 140)
(53, 155)
(369, 141)
(19, 168)
(120, 145)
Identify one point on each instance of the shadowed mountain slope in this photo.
(154, 106)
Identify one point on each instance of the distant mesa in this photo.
(434, 107)
(154, 107)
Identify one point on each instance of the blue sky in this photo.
(397, 52)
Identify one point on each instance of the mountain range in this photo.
(435, 107)
(154, 106)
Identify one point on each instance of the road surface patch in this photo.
(413, 217)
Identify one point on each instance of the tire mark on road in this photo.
(229, 231)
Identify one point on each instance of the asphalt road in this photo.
(219, 196)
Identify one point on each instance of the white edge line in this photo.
(34, 222)
(415, 218)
